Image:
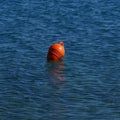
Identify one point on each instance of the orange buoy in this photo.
(56, 51)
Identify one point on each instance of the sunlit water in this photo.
(85, 85)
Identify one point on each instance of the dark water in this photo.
(85, 85)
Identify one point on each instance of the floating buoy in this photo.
(56, 51)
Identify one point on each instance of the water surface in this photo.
(85, 85)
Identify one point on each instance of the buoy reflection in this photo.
(56, 71)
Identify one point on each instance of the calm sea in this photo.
(85, 85)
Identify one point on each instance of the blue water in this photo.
(85, 85)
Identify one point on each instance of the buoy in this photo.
(56, 51)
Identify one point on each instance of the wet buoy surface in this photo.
(56, 51)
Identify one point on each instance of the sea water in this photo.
(85, 85)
